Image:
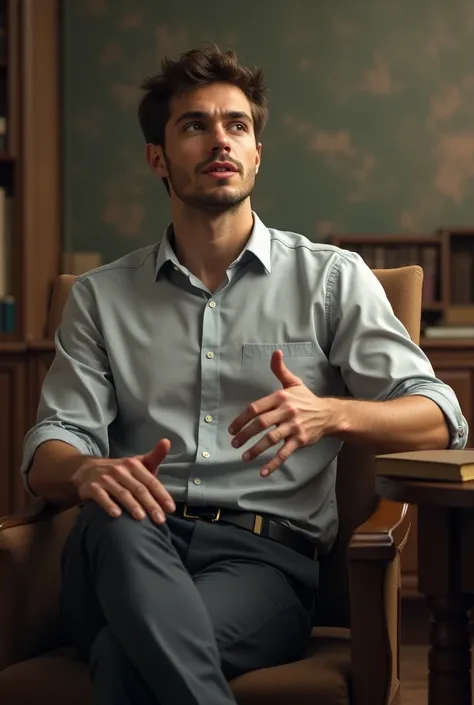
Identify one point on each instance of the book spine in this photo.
(460, 278)
(429, 264)
(7, 314)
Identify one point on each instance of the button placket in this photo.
(207, 429)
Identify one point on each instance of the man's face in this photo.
(210, 157)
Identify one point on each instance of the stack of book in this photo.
(430, 465)
(449, 332)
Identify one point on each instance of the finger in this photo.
(132, 496)
(281, 371)
(154, 486)
(283, 454)
(262, 423)
(97, 494)
(155, 457)
(276, 435)
(255, 409)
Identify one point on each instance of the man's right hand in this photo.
(127, 483)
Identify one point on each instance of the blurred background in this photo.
(370, 145)
(371, 113)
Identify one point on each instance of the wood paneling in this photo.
(22, 371)
(40, 165)
(13, 429)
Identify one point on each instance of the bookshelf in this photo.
(29, 165)
(447, 258)
(29, 218)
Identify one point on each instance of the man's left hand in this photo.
(299, 417)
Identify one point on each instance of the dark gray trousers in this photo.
(166, 615)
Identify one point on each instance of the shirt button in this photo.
(212, 304)
(176, 269)
(210, 355)
(208, 418)
(206, 454)
(461, 432)
(197, 480)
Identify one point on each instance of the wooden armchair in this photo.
(353, 658)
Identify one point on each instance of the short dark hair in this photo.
(194, 68)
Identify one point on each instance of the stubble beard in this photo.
(217, 202)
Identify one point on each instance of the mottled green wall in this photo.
(371, 125)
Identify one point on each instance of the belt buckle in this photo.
(213, 520)
(258, 525)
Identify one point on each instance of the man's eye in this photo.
(239, 126)
(192, 126)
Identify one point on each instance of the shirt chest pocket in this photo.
(300, 358)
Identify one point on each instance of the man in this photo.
(196, 406)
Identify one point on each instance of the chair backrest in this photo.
(355, 486)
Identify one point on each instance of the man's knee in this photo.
(93, 518)
(94, 523)
(91, 515)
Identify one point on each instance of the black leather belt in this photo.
(256, 523)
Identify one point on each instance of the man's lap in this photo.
(257, 617)
(257, 593)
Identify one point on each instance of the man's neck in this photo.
(207, 244)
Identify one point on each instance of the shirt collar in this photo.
(165, 252)
(259, 244)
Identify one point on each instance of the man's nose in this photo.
(221, 141)
(221, 147)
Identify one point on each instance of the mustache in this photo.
(222, 158)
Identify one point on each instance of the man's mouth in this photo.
(221, 170)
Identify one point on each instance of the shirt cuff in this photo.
(38, 436)
(457, 424)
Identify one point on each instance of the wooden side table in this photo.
(446, 578)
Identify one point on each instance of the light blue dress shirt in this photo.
(146, 351)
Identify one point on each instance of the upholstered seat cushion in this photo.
(58, 677)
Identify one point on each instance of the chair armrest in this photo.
(383, 535)
(38, 511)
(30, 547)
(375, 631)
(374, 567)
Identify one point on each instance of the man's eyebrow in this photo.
(202, 115)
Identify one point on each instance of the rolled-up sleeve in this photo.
(78, 400)
(373, 350)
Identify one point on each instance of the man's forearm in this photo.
(408, 423)
(50, 475)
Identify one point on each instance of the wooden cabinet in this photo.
(22, 371)
(13, 428)
(453, 362)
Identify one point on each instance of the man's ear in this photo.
(258, 157)
(155, 157)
